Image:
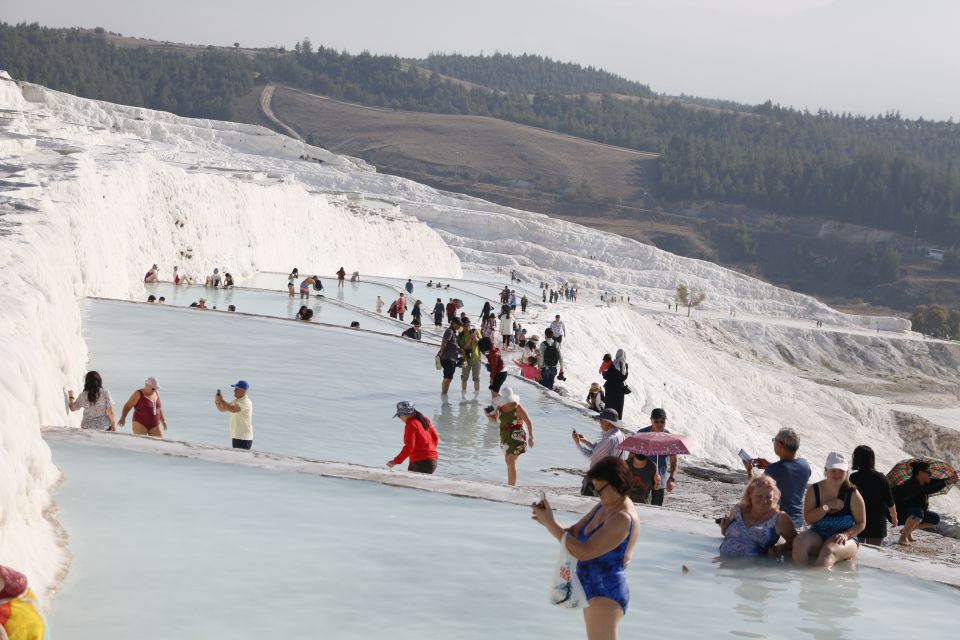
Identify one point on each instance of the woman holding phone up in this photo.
(602, 542)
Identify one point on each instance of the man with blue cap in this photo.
(241, 414)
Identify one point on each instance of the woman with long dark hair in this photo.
(96, 403)
(420, 440)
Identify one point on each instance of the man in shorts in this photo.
(498, 370)
(469, 342)
(449, 353)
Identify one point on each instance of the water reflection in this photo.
(774, 599)
(828, 601)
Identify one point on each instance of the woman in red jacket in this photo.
(419, 440)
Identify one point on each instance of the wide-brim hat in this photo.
(507, 395)
(608, 415)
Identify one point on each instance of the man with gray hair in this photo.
(790, 473)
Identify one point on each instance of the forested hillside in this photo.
(532, 74)
(885, 171)
(84, 64)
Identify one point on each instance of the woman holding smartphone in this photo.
(602, 542)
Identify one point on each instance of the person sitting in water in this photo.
(836, 514)
(153, 275)
(355, 324)
(161, 300)
(430, 284)
(202, 304)
(305, 313)
(151, 299)
(227, 281)
(913, 500)
(231, 308)
(413, 332)
(755, 525)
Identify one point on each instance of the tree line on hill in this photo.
(529, 73)
(84, 64)
(885, 171)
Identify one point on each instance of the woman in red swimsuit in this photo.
(147, 410)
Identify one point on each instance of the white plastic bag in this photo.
(565, 588)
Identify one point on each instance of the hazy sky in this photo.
(866, 56)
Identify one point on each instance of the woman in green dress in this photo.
(513, 439)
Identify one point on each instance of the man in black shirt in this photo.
(413, 332)
(913, 500)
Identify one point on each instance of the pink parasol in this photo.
(659, 443)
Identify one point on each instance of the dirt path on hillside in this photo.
(265, 97)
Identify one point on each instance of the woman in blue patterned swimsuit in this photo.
(602, 542)
(835, 511)
(753, 527)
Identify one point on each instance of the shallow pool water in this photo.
(362, 294)
(318, 392)
(270, 303)
(174, 548)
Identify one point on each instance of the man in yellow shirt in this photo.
(241, 414)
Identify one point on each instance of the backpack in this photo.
(392, 311)
(551, 354)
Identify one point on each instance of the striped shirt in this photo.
(607, 445)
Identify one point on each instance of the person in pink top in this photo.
(420, 440)
(529, 369)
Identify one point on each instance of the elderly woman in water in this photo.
(835, 512)
(602, 542)
(755, 525)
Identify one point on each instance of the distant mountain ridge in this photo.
(885, 172)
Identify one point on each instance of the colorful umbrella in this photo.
(659, 443)
(939, 470)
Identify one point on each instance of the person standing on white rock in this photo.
(559, 331)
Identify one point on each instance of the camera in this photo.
(561, 376)
(461, 362)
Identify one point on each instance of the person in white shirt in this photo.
(241, 414)
(559, 331)
(608, 444)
